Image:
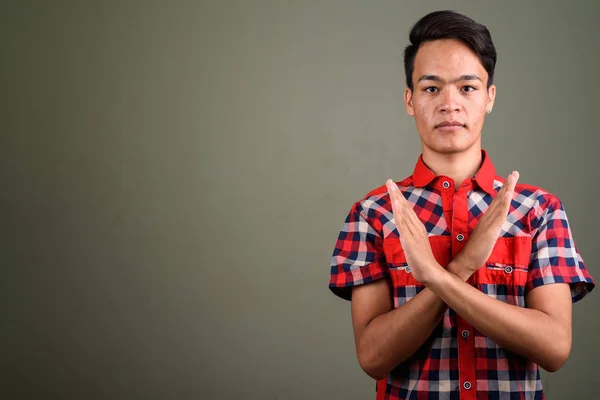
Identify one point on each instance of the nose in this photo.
(450, 101)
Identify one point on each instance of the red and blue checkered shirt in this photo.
(535, 248)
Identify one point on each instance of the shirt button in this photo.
(508, 269)
(467, 385)
(460, 237)
(465, 334)
(446, 184)
(408, 270)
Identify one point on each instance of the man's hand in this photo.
(477, 250)
(485, 235)
(413, 235)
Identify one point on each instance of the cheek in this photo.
(421, 113)
(479, 105)
(478, 115)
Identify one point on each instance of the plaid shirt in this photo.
(535, 248)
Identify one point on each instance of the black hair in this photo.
(450, 25)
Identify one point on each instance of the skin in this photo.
(450, 84)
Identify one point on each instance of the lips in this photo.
(449, 124)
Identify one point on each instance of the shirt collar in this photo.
(484, 177)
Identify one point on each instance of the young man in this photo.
(461, 282)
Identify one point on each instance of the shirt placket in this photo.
(456, 202)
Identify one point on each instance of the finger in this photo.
(499, 213)
(504, 191)
(405, 210)
(411, 217)
(513, 182)
(396, 196)
(395, 193)
(499, 206)
(404, 215)
(510, 190)
(393, 188)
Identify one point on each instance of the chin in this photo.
(449, 144)
(449, 147)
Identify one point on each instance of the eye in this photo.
(469, 88)
(431, 89)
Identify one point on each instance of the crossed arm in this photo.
(385, 336)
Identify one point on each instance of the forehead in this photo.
(447, 58)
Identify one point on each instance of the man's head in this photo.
(449, 68)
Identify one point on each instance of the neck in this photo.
(458, 166)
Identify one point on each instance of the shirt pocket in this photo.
(405, 285)
(504, 275)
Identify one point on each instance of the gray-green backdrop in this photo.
(174, 176)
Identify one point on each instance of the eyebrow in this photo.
(460, 78)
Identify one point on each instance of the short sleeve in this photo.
(554, 256)
(358, 256)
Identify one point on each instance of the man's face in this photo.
(450, 96)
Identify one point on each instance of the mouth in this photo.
(448, 126)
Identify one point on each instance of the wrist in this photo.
(434, 273)
(435, 280)
(459, 269)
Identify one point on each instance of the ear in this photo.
(491, 97)
(408, 102)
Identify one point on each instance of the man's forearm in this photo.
(527, 332)
(393, 337)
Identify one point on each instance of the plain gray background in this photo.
(174, 177)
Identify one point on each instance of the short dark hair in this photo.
(450, 25)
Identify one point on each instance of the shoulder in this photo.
(528, 191)
(377, 200)
(533, 200)
(382, 190)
